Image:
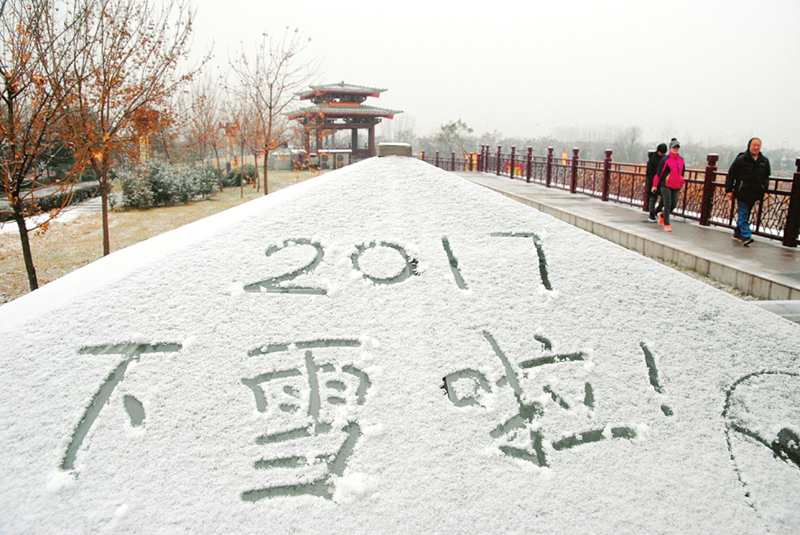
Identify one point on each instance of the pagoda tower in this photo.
(340, 107)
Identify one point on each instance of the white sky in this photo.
(710, 71)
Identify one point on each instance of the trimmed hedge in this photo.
(80, 192)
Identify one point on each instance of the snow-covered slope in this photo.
(390, 349)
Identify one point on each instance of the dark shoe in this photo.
(652, 220)
(737, 238)
(747, 241)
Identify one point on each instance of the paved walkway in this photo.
(765, 269)
(91, 206)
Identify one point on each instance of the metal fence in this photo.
(702, 198)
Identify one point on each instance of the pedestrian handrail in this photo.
(701, 199)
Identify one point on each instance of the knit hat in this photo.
(661, 147)
(674, 143)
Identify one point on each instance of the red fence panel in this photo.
(702, 197)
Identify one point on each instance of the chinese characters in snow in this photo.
(313, 425)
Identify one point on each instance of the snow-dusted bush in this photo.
(235, 176)
(160, 184)
(164, 184)
(200, 180)
(135, 185)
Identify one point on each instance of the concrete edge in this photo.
(786, 309)
(748, 283)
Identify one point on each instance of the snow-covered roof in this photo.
(340, 88)
(334, 111)
(388, 348)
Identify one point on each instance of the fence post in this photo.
(606, 175)
(436, 161)
(708, 189)
(498, 161)
(511, 166)
(549, 166)
(646, 198)
(793, 214)
(573, 183)
(528, 166)
(482, 160)
(453, 160)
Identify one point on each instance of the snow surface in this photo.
(390, 349)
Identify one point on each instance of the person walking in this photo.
(748, 180)
(652, 167)
(669, 179)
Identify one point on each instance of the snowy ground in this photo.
(389, 348)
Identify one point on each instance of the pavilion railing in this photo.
(702, 198)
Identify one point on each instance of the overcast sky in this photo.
(704, 71)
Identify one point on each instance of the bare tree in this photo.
(201, 118)
(628, 145)
(248, 135)
(270, 81)
(37, 55)
(135, 47)
(400, 129)
(455, 136)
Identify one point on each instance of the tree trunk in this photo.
(166, 149)
(104, 197)
(219, 168)
(256, 179)
(26, 247)
(101, 170)
(266, 182)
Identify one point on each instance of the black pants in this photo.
(669, 197)
(651, 203)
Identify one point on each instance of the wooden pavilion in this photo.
(340, 107)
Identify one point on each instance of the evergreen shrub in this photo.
(235, 176)
(160, 184)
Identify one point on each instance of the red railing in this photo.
(702, 197)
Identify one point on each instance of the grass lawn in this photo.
(72, 244)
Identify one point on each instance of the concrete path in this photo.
(765, 269)
(70, 213)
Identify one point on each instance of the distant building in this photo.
(340, 107)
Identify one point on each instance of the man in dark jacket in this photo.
(748, 179)
(652, 167)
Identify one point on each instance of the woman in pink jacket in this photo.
(669, 178)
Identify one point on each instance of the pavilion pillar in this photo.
(371, 145)
(354, 140)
